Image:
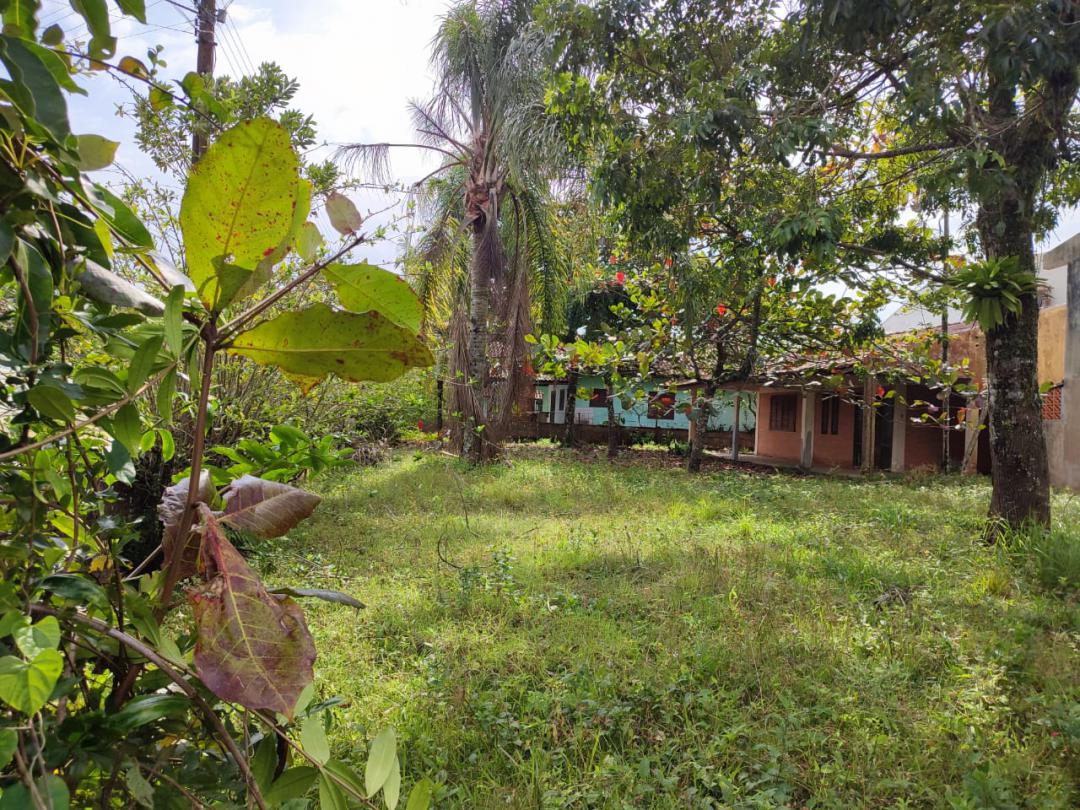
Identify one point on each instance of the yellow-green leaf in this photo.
(96, 152)
(380, 762)
(309, 241)
(364, 287)
(26, 686)
(318, 341)
(239, 207)
(313, 738)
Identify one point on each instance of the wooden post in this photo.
(806, 433)
(899, 428)
(204, 62)
(735, 429)
(869, 417)
(757, 424)
(972, 422)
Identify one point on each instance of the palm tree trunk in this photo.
(479, 304)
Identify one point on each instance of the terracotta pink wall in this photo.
(838, 450)
(922, 446)
(777, 443)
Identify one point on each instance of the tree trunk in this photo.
(701, 426)
(570, 412)
(476, 417)
(1020, 474)
(613, 425)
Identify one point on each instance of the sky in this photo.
(358, 63)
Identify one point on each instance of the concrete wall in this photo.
(775, 443)
(1063, 436)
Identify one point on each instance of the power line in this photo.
(233, 35)
(243, 45)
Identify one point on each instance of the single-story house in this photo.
(802, 423)
(661, 414)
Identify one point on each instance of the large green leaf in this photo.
(252, 648)
(239, 207)
(381, 760)
(266, 508)
(52, 790)
(21, 17)
(35, 90)
(317, 341)
(121, 218)
(44, 634)
(107, 287)
(292, 784)
(27, 685)
(364, 287)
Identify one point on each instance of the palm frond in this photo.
(370, 160)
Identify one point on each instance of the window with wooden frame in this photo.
(782, 412)
(598, 398)
(661, 406)
(830, 416)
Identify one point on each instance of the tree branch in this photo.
(885, 154)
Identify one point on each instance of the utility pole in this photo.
(946, 433)
(205, 21)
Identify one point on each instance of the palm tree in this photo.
(489, 251)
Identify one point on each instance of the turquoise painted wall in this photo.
(636, 416)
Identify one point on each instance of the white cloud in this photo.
(358, 63)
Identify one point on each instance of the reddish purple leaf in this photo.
(169, 511)
(266, 508)
(252, 648)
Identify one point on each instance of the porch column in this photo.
(972, 420)
(757, 424)
(869, 423)
(735, 430)
(806, 438)
(899, 428)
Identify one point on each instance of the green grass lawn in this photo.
(618, 636)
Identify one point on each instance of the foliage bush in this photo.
(109, 697)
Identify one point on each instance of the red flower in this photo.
(613, 259)
(620, 277)
(419, 424)
(667, 262)
(720, 309)
(881, 391)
